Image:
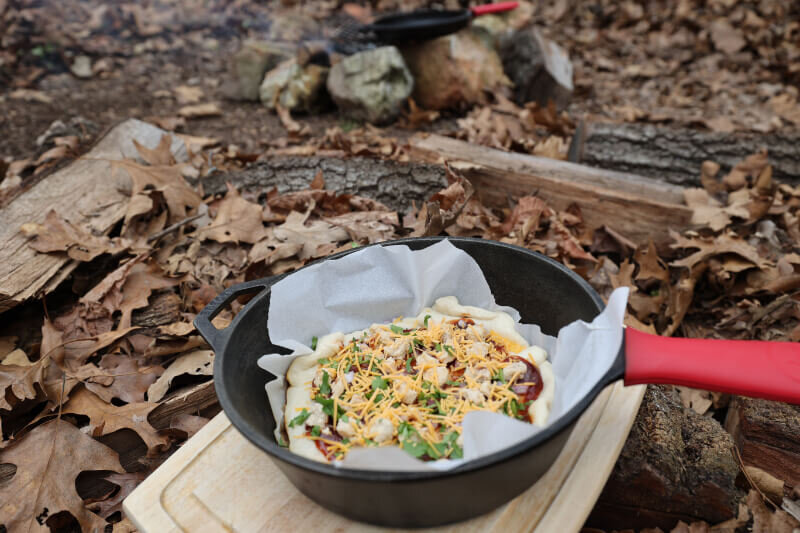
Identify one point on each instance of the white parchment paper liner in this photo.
(378, 284)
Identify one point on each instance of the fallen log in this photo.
(393, 183)
(675, 154)
(767, 435)
(675, 465)
(84, 193)
(638, 207)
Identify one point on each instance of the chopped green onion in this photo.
(314, 343)
(379, 383)
(425, 322)
(396, 329)
(408, 366)
(299, 419)
(325, 387)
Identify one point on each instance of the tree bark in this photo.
(675, 154)
(395, 184)
(768, 436)
(676, 465)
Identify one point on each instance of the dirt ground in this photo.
(713, 64)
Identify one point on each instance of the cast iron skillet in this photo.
(545, 293)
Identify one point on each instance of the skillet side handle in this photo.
(499, 7)
(759, 369)
(215, 337)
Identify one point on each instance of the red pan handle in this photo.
(759, 369)
(499, 7)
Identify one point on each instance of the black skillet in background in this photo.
(545, 293)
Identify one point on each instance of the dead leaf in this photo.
(725, 37)
(123, 378)
(59, 235)
(48, 460)
(160, 155)
(200, 110)
(187, 94)
(698, 400)
(196, 363)
(7, 345)
(17, 357)
(167, 179)
(30, 95)
(292, 126)
(768, 484)
(650, 265)
(189, 424)
(126, 483)
(721, 244)
(20, 382)
(237, 220)
(105, 418)
(765, 521)
(368, 226)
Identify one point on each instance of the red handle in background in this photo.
(499, 7)
(760, 369)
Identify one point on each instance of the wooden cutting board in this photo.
(219, 481)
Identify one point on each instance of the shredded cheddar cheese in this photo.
(412, 387)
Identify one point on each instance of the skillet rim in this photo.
(268, 445)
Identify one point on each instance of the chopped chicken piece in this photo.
(357, 398)
(381, 430)
(399, 348)
(391, 364)
(406, 393)
(384, 337)
(346, 429)
(486, 388)
(425, 360)
(337, 388)
(444, 356)
(318, 376)
(515, 369)
(317, 417)
(473, 395)
(438, 375)
(478, 375)
(478, 349)
(326, 430)
(476, 332)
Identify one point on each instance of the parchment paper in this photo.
(380, 283)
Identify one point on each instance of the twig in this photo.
(738, 458)
(170, 229)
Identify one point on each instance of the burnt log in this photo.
(767, 435)
(676, 465)
(395, 184)
(675, 154)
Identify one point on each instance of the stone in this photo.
(248, 66)
(82, 67)
(371, 85)
(454, 71)
(539, 68)
(491, 29)
(294, 87)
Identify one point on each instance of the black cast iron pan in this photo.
(545, 293)
(424, 24)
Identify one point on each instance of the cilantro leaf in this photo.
(299, 419)
(325, 387)
(457, 452)
(438, 347)
(314, 343)
(315, 431)
(396, 329)
(379, 383)
(418, 342)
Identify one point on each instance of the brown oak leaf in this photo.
(165, 178)
(59, 235)
(123, 378)
(105, 418)
(49, 459)
(237, 220)
(196, 363)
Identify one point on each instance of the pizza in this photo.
(410, 383)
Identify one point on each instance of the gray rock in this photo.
(371, 85)
(82, 67)
(248, 66)
(491, 29)
(539, 68)
(294, 87)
